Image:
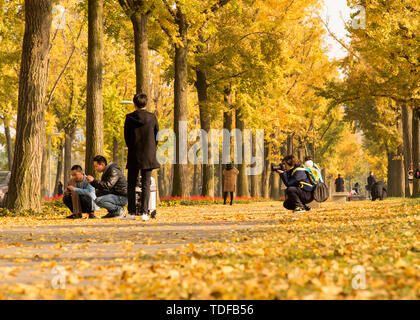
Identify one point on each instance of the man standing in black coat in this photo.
(140, 131)
(339, 184)
(371, 181)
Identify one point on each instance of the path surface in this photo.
(101, 242)
(258, 250)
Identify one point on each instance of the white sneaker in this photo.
(145, 217)
(128, 217)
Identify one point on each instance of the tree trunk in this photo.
(25, 182)
(115, 151)
(44, 174)
(94, 105)
(282, 191)
(59, 169)
(205, 122)
(141, 49)
(180, 174)
(289, 144)
(9, 144)
(242, 189)
(220, 176)
(266, 172)
(407, 119)
(196, 180)
(68, 140)
(161, 181)
(416, 151)
(254, 178)
(395, 175)
(275, 186)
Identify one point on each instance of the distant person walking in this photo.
(60, 190)
(229, 185)
(370, 182)
(339, 184)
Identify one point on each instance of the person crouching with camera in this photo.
(299, 190)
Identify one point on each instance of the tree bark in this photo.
(395, 175)
(68, 140)
(242, 189)
(266, 172)
(25, 182)
(416, 151)
(141, 49)
(180, 174)
(407, 119)
(115, 151)
(59, 169)
(275, 186)
(9, 144)
(220, 176)
(254, 178)
(161, 181)
(94, 105)
(205, 122)
(44, 174)
(289, 144)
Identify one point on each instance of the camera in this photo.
(275, 167)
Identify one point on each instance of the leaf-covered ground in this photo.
(247, 251)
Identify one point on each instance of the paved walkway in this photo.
(28, 254)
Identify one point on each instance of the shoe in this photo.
(299, 209)
(153, 214)
(128, 216)
(92, 216)
(145, 217)
(307, 208)
(111, 215)
(73, 216)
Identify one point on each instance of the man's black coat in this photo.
(112, 181)
(140, 130)
(371, 180)
(339, 185)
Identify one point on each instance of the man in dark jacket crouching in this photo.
(111, 190)
(299, 190)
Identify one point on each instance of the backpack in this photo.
(320, 192)
(313, 174)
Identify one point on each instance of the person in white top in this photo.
(310, 164)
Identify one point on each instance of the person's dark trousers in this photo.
(297, 197)
(133, 174)
(225, 194)
(85, 202)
